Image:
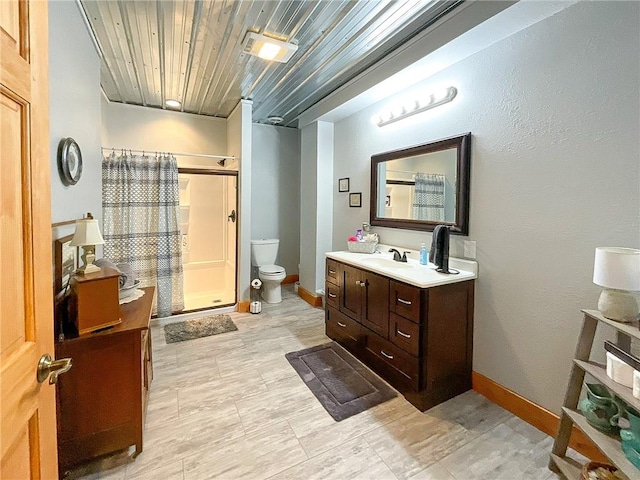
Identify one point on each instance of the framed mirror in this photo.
(419, 187)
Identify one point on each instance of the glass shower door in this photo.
(208, 204)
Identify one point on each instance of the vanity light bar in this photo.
(432, 100)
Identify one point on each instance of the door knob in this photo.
(52, 368)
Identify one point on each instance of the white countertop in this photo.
(423, 276)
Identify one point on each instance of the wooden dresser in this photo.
(102, 400)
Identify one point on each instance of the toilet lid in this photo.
(271, 269)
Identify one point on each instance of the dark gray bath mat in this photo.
(198, 327)
(343, 385)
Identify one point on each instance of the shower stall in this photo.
(208, 214)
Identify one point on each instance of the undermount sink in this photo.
(385, 263)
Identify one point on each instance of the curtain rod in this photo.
(201, 155)
(415, 173)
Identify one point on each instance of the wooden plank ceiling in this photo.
(191, 51)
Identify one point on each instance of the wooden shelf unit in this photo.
(609, 445)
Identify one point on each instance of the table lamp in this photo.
(617, 269)
(87, 236)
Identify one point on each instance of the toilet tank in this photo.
(264, 252)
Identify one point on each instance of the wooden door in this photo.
(351, 291)
(375, 303)
(27, 426)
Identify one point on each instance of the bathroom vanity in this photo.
(410, 324)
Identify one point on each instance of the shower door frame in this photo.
(224, 173)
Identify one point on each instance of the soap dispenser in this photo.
(424, 255)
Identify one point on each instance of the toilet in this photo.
(263, 255)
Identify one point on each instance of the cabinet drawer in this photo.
(331, 272)
(405, 301)
(400, 361)
(404, 334)
(342, 329)
(332, 292)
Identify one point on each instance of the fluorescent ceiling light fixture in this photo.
(427, 102)
(173, 104)
(268, 48)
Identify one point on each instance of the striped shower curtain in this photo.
(428, 197)
(140, 207)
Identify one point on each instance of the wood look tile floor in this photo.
(230, 406)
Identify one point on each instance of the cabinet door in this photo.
(351, 291)
(375, 303)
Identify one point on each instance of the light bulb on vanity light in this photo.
(617, 270)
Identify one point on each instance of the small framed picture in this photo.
(343, 185)
(355, 199)
(65, 262)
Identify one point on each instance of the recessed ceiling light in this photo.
(267, 47)
(173, 104)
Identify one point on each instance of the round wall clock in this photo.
(69, 161)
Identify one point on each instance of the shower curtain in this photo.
(140, 206)
(428, 197)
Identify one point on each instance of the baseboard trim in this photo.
(534, 414)
(310, 298)
(243, 307)
(289, 279)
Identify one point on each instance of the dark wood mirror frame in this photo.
(462, 144)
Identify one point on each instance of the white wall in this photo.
(142, 128)
(275, 211)
(74, 111)
(239, 145)
(554, 111)
(316, 187)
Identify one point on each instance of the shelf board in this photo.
(608, 445)
(600, 373)
(569, 468)
(632, 328)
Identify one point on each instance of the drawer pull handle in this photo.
(332, 272)
(406, 302)
(342, 325)
(405, 335)
(332, 295)
(390, 357)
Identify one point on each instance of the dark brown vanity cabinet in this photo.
(418, 339)
(364, 296)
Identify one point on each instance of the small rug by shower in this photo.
(198, 327)
(343, 385)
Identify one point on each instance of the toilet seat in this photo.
(271, 270)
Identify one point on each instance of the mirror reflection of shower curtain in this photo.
(428, 197)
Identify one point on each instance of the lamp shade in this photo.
(87, 233)
(617, 268)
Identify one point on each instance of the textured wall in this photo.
(555, 171)
(275, 211)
